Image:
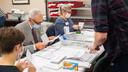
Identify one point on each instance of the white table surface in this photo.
(69, 48)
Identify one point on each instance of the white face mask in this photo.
(19, 55)
(68, 15)
(36, 26)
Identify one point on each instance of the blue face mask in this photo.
(36, 26)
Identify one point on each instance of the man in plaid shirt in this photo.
(111, 30)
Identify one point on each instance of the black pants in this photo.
(120, 64)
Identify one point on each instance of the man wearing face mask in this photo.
(32, 31)
(11, 49)
(64, 20)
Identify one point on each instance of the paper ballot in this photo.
(45, 39)
(81, 25)
(29, 56)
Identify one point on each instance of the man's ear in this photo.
(17, 47)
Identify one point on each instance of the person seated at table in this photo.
(11, 50)
(64, 20)
(32, 29)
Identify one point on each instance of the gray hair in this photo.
(63, 8)
(34, 12)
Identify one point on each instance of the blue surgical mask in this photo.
(36, 26)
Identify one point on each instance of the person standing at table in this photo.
(11, 49)
(111, 30)
(64, 20)
(32, 31)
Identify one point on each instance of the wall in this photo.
(6, 5)
(88, 3)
